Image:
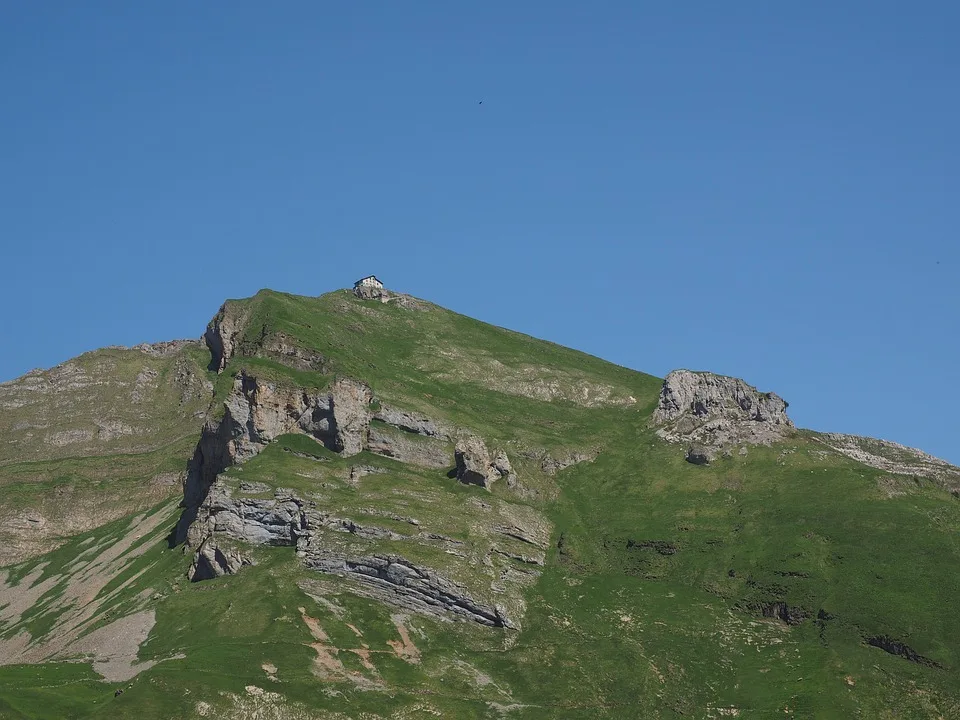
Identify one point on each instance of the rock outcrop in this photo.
(286, 351)
(708, 412)
(398, 581)
(411, 422)
(257, 412)
(224, 516)
(699, 455)
(474, 466)
(386, 296)
(426, 451)
(223, 333)
(552, 463)
(893, 457)
(368, 292)
(228, 334)
(288, 520)
(211, 560)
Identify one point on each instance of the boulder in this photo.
(473, 461)
(475, 466)
(699, 455)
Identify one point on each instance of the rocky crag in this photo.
(221, 518)
(712, 413)
(341, 449)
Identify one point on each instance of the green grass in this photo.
(650, 605)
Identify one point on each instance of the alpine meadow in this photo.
(363, 505)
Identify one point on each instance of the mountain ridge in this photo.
(482, 504)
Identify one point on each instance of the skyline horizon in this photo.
(765, 192)
(348, 288)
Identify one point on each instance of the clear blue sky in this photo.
(764, 189)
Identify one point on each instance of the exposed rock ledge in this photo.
(224, 338)
(217, 526)
(712, 411)
(893, 457)
(387, 296)
(288, 520)
(395, 580)
(255, 413)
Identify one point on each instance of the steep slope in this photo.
(395, 511)
(94, 439)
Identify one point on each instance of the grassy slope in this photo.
(95, 438)
(648, 607)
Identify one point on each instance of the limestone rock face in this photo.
(424, 451)
(211, 560)
(365, 292)
(225, 338)
(222, 335)
(475, 466)
(894, 458)
(410, 422)
(257, 412)
(227, 516)
(396, 580)
(713, 411)
(473, 461)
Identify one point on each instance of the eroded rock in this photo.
(552, 463)
(410, 422)
(699, 455)
(426, 451)
(711, 411)
(893, 457)
(257, 412)
(211, 561)
(474, 465)
(223, 333)
(398, 581)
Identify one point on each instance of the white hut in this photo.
(369, 281)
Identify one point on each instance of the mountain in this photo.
(362, 505)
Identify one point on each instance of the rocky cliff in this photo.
(224, 521)
(343, 449)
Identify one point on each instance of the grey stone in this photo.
(699, 455)
(712, 411)
(427, 451)
(474, 465)
(211, 561)
(365, 292)
(396, 580)
(222, 334)
(409, 422)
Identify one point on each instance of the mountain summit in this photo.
(362, 505)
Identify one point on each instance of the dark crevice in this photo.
(900, 649)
